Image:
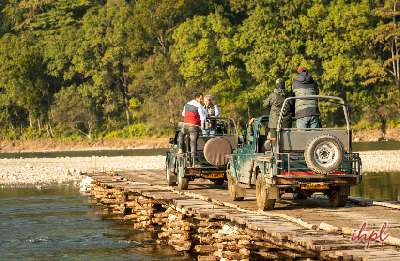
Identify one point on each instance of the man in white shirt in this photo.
(211, 109)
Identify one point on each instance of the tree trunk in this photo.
(383, 128)
(124, 91)
(49, 130)
(127, 110)
(39, 123)
(30, 121)
(396, 64)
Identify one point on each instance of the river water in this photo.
(56, 222)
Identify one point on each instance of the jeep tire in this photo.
(183, 183)
(170, 177)
(338, 197)
(218, 182)
(324, 154)
(233, 194)
(263, 202)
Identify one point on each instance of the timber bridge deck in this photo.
(204, 222)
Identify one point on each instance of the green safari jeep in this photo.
(298, 161)
(214, 144)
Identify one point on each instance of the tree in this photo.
(206, 54)
(103, 57)
(73, 111)
(23, 77)
(139, 61)
(388, 35)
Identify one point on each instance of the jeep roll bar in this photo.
(339, 100)
(313, 97)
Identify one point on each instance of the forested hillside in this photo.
(125, 68)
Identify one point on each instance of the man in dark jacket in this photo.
(307, 113)
(274, 104)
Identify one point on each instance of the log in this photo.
(204, 249)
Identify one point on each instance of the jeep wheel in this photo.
(218, 182)
(324, 154)
(337, 198)
(233, 193)
(263, 202)
(171, 178)
(183, 183)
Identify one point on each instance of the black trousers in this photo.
(193, 133)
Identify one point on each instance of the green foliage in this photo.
(119, 68)
(132, 131)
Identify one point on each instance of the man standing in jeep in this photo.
(274, 104)
(307, 112)
(194, 116)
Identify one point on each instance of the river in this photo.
(56, 222)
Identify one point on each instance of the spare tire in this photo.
(216, 150)
(324, 154)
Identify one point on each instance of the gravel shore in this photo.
(380, 161)
(68, 169)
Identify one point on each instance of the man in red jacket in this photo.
(194, 117)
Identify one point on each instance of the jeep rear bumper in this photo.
(334, 180)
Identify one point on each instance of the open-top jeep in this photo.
(299, 161)
(214, 144)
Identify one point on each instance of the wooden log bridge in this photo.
(203, 221)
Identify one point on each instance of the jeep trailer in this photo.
(298, 161)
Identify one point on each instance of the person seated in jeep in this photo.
(212, 109)
(306, 110)
(274, 104)
(194, 117)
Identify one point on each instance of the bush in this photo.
(364, 124)
(132, 131)
(10, 134)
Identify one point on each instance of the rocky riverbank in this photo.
(68, 169)
(380, 161)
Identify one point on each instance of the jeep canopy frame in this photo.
(230, 124)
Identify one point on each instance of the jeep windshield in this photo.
(218, 126)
